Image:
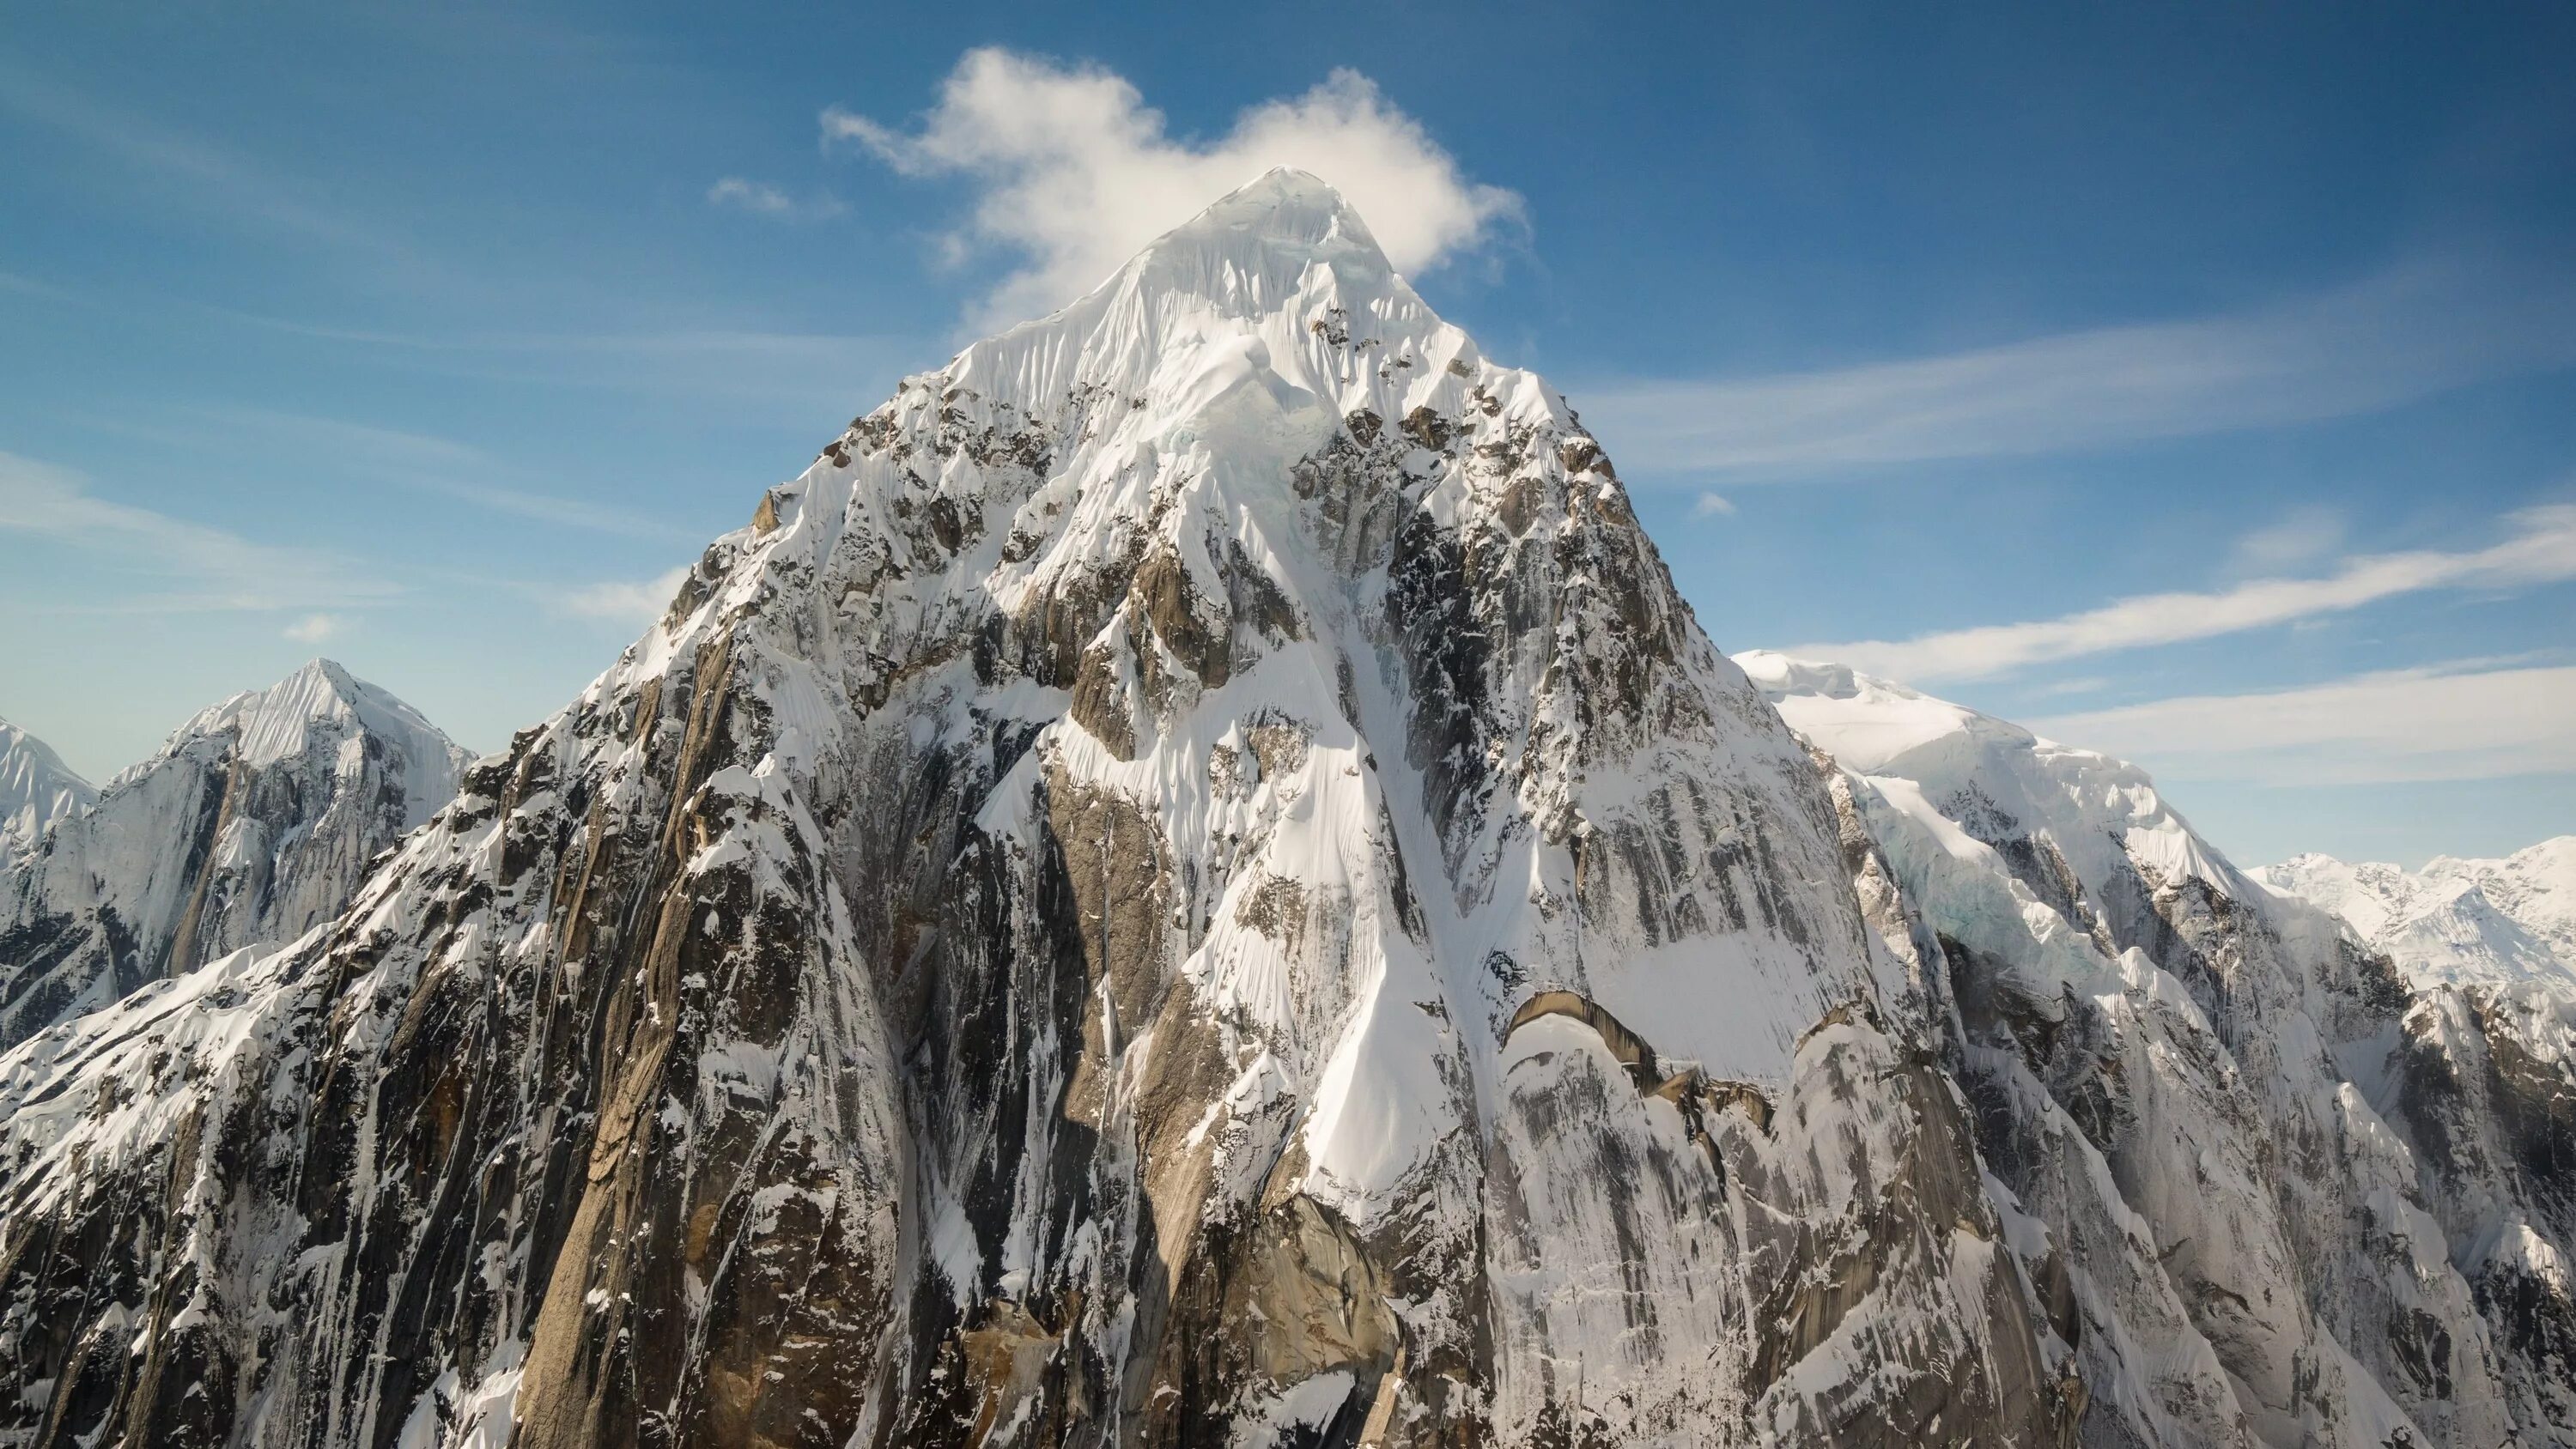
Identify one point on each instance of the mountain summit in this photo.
(37, 790)
(253, 822)
(1190, 881)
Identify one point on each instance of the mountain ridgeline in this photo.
(253, 823)
(1192, 882)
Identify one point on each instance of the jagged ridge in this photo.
(254, 822)
(36, 790)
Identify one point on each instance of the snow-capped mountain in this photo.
(2456, 920)
(36, 790)
(254, 822)
(1192, 882)
(2293, 1202)
(1189, 882)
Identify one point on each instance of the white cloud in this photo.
(314, 628)
(173, 563)
(2304, 534)
(750, 196)
(2410, 333)
(2456, 722)
(762, 199)
(1077, 174)
(2542, 549)
(624, 603)
(1711, 505)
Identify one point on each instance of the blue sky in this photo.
(2198, 384)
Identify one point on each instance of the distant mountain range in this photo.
(2454, 920)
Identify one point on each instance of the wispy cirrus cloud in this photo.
(628, 602)
(814, 373)
(741, 193)
(2411, 333)
(213, 179)
(1076, 173)
(2466, 720)
(174, 563)
(436, 465)
(2540, 548)
(2300, 536)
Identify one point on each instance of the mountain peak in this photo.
(1282, 207)
(1284, 248)
(36, 789)
(279, 722)
(1243, 338)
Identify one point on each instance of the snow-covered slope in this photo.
(2463, 921)
(2536, 886)
(253, 823)
(2291, 1201)
(1189, 882)
(36, 790)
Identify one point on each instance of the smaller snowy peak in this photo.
(36, 790)
(1866, 723)
(323, 702)
(2460, 921)
(256, 820)
(2368, 896)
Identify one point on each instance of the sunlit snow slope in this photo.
(36, 790)
(2291, 1198)
(252, 824)
(2464, 921)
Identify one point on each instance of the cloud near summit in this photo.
(1076, 173)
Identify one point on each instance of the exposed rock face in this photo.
(36, 790)
(1034, 949)
(2274, 1195)
(254, 823)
